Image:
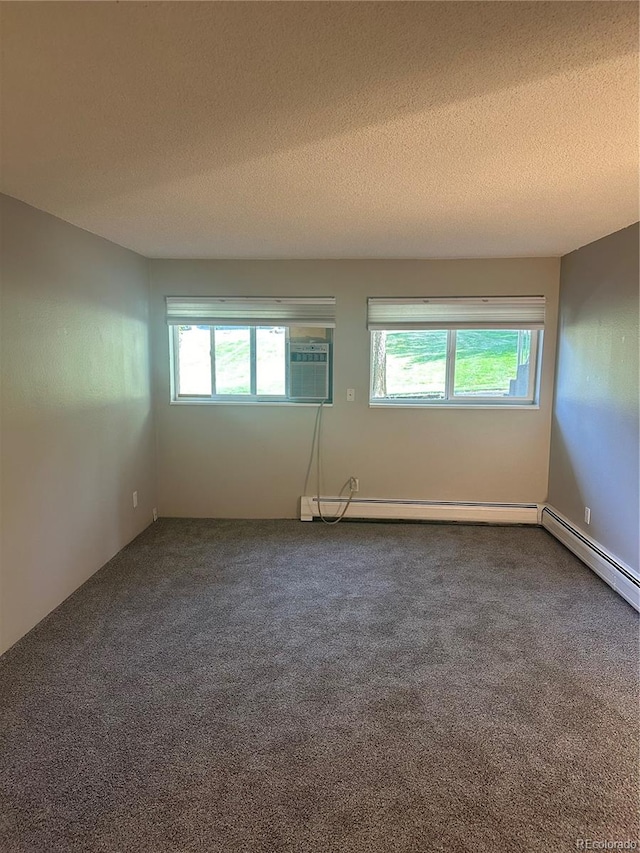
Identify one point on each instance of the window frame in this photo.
(253, 397)
(452, 400)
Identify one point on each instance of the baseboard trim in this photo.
(409, 510)
(613, 571)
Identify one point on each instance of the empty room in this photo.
(319, 427)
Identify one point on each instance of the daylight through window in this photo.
(251, 349)
(455, 351)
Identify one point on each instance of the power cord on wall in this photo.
(316, 444)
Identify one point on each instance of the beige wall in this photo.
(76, 417)
(250, 461)
(595, 438)
(77, 435)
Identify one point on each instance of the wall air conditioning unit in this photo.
(308, 372)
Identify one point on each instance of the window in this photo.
(231, 349)
(455, 351)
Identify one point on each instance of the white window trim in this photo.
(250, 399)
(459, 401)
(265, 403)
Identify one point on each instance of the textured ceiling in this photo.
(325, 129)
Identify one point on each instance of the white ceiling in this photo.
(325, 130)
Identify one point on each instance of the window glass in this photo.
(250, 363)
(492, 363)
(270, 361)
(454, 366)
(232, 360)
(409, 364)
(194, 360)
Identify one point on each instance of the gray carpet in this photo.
(279, 686)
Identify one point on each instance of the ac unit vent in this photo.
(308, 371)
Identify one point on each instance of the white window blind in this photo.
(493, 312)
(319, 312)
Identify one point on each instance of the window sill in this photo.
(525, 407)
(261, 403)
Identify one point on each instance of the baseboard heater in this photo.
(406, 510)
(618, 575)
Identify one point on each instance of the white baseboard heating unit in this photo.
(619, 576)
(407, 510)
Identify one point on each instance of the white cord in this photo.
(318, 438)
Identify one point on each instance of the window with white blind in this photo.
(456, 350)
(251, 349)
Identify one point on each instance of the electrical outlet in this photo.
(135, 500)
(155, 514)
(351, 395)
(354, 484)
(587, 515)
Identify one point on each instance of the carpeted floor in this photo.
(278, 686)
